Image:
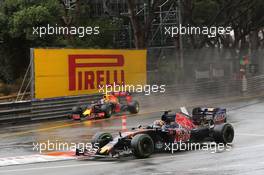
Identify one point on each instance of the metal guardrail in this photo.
(12, 112)
(58, 108)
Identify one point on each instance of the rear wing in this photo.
(208, 111)
(120, 94)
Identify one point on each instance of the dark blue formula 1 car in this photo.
(205, 124)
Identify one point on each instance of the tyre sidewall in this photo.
(136, 145)
(220, 133)
(101, 138)
(133, 107)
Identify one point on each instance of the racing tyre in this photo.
(107, 110)
(197, 115)
(133, 107)
(223, 133)
(84, 107)
(142, 146)
(77, 110)
(77, 152)
(100, 139)
(196, 111)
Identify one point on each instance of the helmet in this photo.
(158, 123)
(106, 97)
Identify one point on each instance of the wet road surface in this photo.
(245, 157)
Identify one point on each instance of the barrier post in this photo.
(244, 85)
(124, 123)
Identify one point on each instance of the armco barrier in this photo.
(187, 94)
(56, 108)
(13, 112)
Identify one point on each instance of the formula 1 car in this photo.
(203, 125)
(113, 102)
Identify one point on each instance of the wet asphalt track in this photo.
(246, 156)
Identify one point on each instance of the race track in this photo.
(245, 157)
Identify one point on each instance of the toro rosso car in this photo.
(114, 102)
(203, 125)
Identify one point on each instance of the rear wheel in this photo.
(196, 111)
(223, 133)
(133, 107)
(142, 145)
(101, 139)
(107, 109)
(197, 115)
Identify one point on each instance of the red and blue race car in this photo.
(203, 125)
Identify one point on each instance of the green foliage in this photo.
(3, 22)
(104, 40)
(204, 10)
(23, 20)
(17, 19)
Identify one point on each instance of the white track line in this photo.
(251, 135)
(55, 167)
(21, 160)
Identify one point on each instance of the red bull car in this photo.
(171, 129)
(114, 102)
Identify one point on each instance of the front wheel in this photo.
(142, 146)
(101, 139)
(76, 113)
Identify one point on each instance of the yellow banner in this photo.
(67, 72)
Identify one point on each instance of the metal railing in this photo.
(13, 112)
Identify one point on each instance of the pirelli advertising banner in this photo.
(68, 72)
